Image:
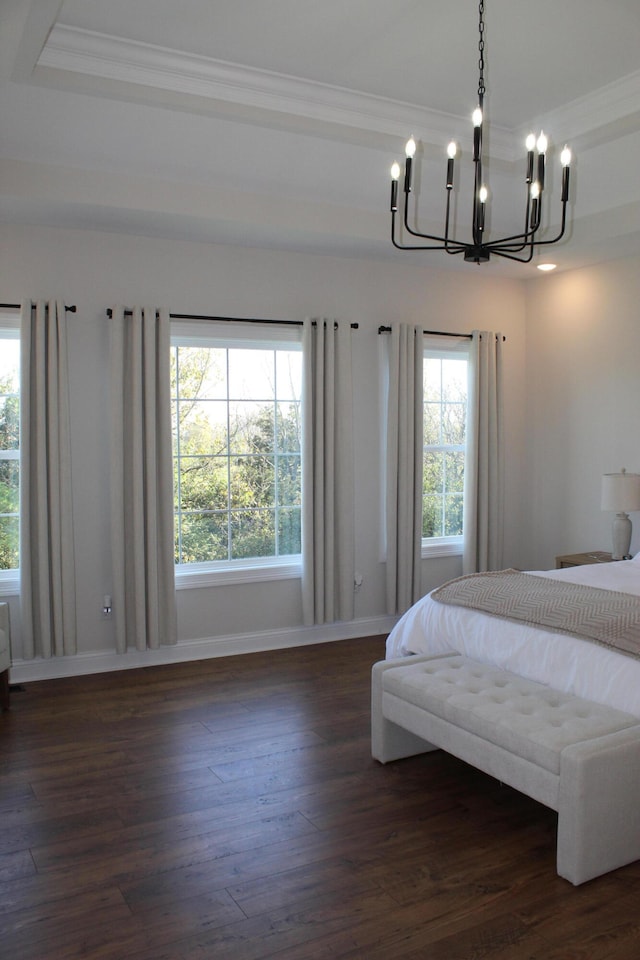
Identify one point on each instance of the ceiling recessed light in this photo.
(546, 266)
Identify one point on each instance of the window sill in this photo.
(442, 548)
(9, 584)
(194, 575)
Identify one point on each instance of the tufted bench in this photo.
(577, 757)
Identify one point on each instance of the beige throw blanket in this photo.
(607, 617)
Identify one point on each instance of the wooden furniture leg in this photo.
(4, 690)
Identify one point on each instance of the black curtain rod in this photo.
(16, 306)
(438, 333)
(434, 333)
(199, 316)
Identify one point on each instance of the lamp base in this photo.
(621, 536)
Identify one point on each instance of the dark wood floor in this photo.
(230, 810)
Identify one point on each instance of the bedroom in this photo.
(570, 389)
(113, 192)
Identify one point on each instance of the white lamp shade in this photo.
(621, 492)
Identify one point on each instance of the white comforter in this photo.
(563, 662)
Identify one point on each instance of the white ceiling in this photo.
(274, 122)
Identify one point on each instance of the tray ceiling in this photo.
(274, 124)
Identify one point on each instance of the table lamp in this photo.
(621, 493)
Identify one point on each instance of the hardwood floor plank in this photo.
(230, 810)
(278, 934)
(35, 924)
(15, 865)
(132, 858)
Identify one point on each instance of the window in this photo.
(9, 454)
(236, 419)
(445, 375)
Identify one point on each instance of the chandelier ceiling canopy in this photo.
(519, 246)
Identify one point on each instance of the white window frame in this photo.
(446, 546)
(250, 570)
(9, 330)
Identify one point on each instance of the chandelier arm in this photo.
(480, 250)
(518, 241)
(510, 256)
(496, 245)
(533, 244)
(450, 245)
(416, 233)
(522, 239)
(426, 236)
(563, 224)
(400, 246)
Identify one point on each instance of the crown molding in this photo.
(616, 106)
(84, 52)
(605, 114)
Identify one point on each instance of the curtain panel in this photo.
(144, 606)
(328, 537)
(484, 469)
(403, 467)
(47, 563)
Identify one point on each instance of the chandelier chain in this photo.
(481, 86)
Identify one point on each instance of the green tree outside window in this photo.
(237, 440)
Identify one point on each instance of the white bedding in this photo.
(563, 662)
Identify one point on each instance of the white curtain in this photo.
(144, 608)
(47, 566)
(484, 468)
(403, 506)
(327, 474)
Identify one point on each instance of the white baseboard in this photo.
(106, 661)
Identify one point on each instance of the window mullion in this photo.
(178, 442)
(276, 455)
(245, 377)
(229, 504)
(446, 373)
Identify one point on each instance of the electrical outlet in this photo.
(107, 609)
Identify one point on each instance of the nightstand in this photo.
(579, 559)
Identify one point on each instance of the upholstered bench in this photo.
(580, 758)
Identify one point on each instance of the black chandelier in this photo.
(520, 246)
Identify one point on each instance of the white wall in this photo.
(96, 270)
(583, 404)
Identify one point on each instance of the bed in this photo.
(566, 663)
(551, 711)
